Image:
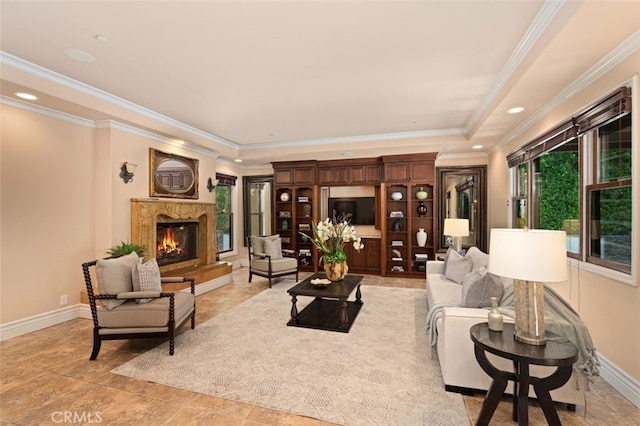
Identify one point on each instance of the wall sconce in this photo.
(211, 184)
(127, 170)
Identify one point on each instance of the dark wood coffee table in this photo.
(330, 309)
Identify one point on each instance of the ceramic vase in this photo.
(422, 209)
(421, 237)
(307, 209)
(336, 271)
(421, 194)
(397, 196)
(495, 317)
(284, 197)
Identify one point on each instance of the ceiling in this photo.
(276, 80)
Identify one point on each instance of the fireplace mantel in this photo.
(147, 213)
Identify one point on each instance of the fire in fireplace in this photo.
(176, 242)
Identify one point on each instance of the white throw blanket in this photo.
(560, 318)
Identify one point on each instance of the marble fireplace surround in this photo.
(147, 213)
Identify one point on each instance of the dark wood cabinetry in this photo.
(407, 213)
(400, 216)
(367, 260)
(366, 171)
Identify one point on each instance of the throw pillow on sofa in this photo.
(458, 267)
(478, 258)
(479, 287)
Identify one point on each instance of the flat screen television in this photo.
(362, 209)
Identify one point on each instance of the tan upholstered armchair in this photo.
(131, 303)
(267, 259)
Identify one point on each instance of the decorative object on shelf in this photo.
(396, 214)
(495, 317)
(303, 199)
(397, 196)
(456, 228)
(329, 238)
(305, 239)
(421, 237)
(422, 194)
(284, 214)
(307, 209)
(397, 225)
(285, 224)
(127, 171)
(397, 255)
(422, 209)
(285, 197)
(531, 257)
(304, 226)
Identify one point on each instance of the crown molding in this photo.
(629, 46)
(39, 109)
(56, 78)
(545, 15)
(355, 139)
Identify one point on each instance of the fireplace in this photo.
(187, 226)
(176, 242)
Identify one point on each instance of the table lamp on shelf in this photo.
(456, 228)
(531, 257)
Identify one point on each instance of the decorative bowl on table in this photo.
(320, 282)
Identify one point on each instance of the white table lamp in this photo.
(456, 228)
(531, 258)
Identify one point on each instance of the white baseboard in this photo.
(622, 382)
(38, 322)
(58, 316)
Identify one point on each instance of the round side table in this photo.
(557, 352)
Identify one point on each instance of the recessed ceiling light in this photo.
(238, 160)
(476, 146)
(347, 154)
(27, 96)
(102, 38)
(515, 110)
(79, 55)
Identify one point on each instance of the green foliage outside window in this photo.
(224, 231)
(559, 191)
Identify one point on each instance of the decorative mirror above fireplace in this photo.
(172, 175)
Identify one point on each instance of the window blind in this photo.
(608, 108)
(226, 179)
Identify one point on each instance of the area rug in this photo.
(380, 373)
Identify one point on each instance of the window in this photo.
(224, 211)
(585, 158)
(610, 197)
(556, 193)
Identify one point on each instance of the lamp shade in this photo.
(456, 227)
(529, 255)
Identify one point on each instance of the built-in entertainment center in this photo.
(391, 199)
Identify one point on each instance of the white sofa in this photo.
(460, 370)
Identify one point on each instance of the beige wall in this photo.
(63, 202)
(610, 308)
(47, 223)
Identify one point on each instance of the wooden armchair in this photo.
(131, 303)
(267, 259)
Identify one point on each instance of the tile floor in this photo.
(46, 378)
